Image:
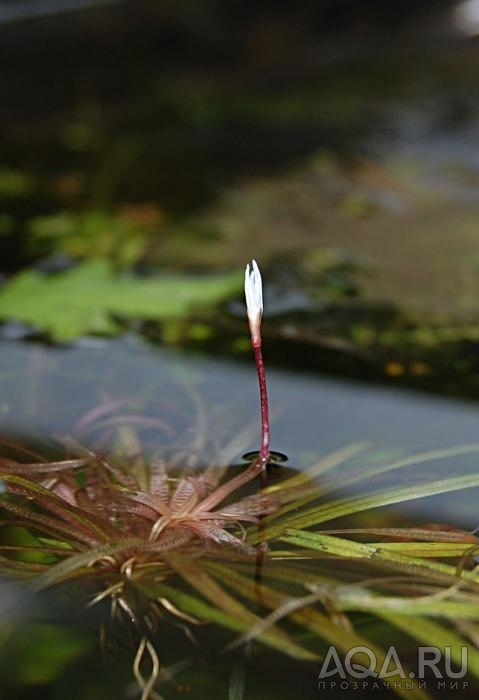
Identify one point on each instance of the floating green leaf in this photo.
(87, 298)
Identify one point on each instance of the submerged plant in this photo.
(164, 542)
(105, 504)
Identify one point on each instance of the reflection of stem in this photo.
(259, 562)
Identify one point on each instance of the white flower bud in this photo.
(253, 290)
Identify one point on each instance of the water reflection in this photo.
(197, 411)
(48, 389)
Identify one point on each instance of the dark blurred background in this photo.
(336, 141)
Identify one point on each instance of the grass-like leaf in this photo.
(349, 549)
(348, 506)
(424, 630)
(177, 541)
(345, 476)
(199, 579)
(307, 616)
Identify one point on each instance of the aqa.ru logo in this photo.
(428, 657)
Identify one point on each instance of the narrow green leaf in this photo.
(336, 546)
(326, 464)
(65, 569)
(426, 631)
(309, 617)
(192, 572)
(367, 473)
(427, 549)
(428, 606)
(199, 608)
(363, 474)
(348, 506)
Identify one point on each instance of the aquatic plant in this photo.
(420, 580)
(167, 544)
(88, 519)
(253, 288)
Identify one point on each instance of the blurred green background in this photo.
(149, 149)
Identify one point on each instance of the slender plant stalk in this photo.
(253, 289)
(264, 452)
(254, 307)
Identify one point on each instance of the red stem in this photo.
(265, 433)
